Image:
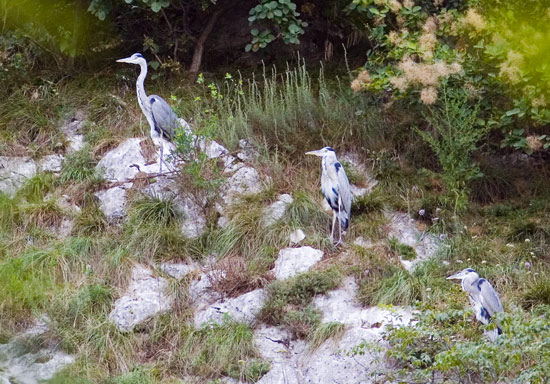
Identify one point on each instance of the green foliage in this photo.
(154, 211)
(324, 332)
(283, 15)
(218, 349)
(289, 301)
(456, 137)
(37, 187)
(79, 166)
(405, 251)
(136, 376)
(445, 345)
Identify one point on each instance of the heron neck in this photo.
(140, 84)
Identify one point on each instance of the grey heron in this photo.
(335, 188)
(162, 120)
(482, 295)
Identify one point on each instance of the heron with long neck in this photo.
(335, 186)
(162, 120)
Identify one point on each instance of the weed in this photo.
(324, 332)
(79, 166)
(90, 221)
(154, 211)
(136, 376)
(405, 251)
(455, 138)
(374, 201)
(288, 301)
(35, 188)
(394, 286)
(215, 349)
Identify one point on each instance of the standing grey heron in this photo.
(482, 295)
(162, 120)
(335, 187)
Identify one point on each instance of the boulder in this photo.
(189, 207)
(145, 297)
(177, 270)
(242, 309)
(13, 173)
(72, 130)
(27, 360)
(125, 161)
(296, 236)
(276, 210)
(246, 181)
(292, 261)
(403, 229)
(51, 163)
(112, 202)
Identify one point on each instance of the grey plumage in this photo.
(162, 120)
(482, 295)
(336, 189)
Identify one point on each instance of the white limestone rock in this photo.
(276, 345)
(112, 202)
(19, 364)
(296, 236)
(223, 221)
(125, 161)
(248, 152)
(52, 163)
(177, 270)
(276, 210)
(72, 130)
(13, 173)
(189, 207)
(246, 181)
(403, 229)
(242, 309)
(200, 289)
(145, 297)
(292, 261)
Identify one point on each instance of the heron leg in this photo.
(161, 155)
(332, 230)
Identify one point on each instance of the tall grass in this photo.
(291, 111)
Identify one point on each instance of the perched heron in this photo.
(335, 187)
(482, 295)
(162, 120)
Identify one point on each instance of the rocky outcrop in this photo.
(145, 297)
(292, 261)
(296, 236)
(246, 181)
(26, 360)
(276, 210)
(52, 163)
(13, 173)
(112, 202)
(403, 229)
(242, 309)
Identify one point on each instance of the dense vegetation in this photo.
(449, 108)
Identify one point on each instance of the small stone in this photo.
(112, 202)
(276, 210)
(13, 173)
(296, 236)
(52, 163)
(242, 309)
(145, 297)
(292, 261)
(176, 270)
(223, 221)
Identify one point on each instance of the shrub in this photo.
(455, 138)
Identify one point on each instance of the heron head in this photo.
(136, 58)
(465, 273)
(322, 152)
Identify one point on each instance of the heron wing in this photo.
(489, 297)
(344, 192)
(344, 189)
(164, 118)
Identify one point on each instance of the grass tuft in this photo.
(324, 332)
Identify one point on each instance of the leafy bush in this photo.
(455, 138)
(289, 301)
(444, 344)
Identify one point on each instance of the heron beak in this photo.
(125, 60)
(455, 276)
(314, 153)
